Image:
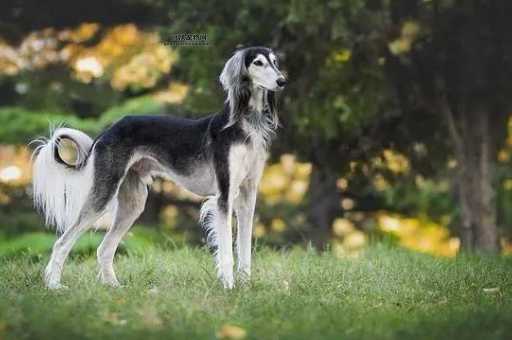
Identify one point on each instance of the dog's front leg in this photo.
(244, 210)
(224, 235)
(229, 179)
(245, 206)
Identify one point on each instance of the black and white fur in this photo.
(220, 157)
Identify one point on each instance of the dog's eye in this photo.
(258, 63)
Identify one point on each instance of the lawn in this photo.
(386, 293)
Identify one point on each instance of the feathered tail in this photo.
(207, 219)
(60, 189)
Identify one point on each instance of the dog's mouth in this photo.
(277, 88)
(274, 89)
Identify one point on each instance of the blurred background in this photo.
(395, 125)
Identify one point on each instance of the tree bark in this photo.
(324, 205)
(475, 152)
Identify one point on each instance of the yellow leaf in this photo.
(278, 225)
(343, 56)
(342, 184)
(410, 29)
(231, 332)
(399, 46)
(342, 227)
(83, 33)
(347, 204)
(259, 230)
(503, 156)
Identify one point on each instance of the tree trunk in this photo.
(475, 153)
(324, 205)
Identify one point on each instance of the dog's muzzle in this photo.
(281, 82)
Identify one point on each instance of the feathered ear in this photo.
(272, 108)
(235, 82)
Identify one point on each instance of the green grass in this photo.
(172, 294)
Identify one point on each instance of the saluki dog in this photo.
(220, 157)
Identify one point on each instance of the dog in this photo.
(220, 157)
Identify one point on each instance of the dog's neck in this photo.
(258, 99)
(257, 122)
(255, 115)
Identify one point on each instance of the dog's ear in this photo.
(233, 71)
(235, 81)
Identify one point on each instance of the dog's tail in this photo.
(60, 187)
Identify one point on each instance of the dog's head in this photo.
(258, 66)
(249, 68)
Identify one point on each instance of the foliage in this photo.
(19, 124)
(385, 293)
(38, 244)
(360, 109)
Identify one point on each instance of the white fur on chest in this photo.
(246, 160)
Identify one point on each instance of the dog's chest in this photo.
(247, 160)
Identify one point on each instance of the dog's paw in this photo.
(227, 281)
(113, 284)
(109, 280)
(55, 286)
(228, 285)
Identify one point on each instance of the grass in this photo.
(386, 293)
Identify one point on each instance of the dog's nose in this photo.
(281, 82)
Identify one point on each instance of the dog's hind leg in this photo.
(101, 193)
(63, 245)
(131, 201)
